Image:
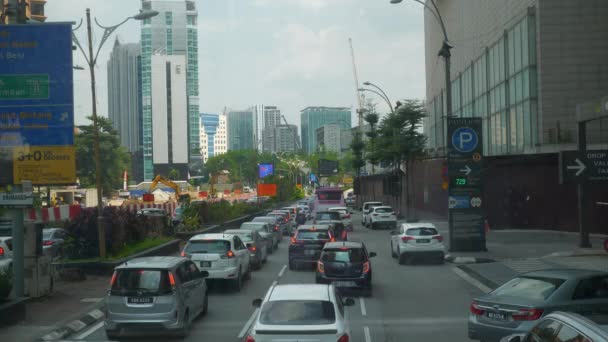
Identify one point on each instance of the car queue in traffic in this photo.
(167, 293)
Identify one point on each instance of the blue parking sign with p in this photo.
(465, 139)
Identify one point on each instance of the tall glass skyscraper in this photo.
(241, 130)
(172, 32)
(312, 118)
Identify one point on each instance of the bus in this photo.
(327, 197)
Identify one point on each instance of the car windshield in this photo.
(354, 255)
(297, 312)
(327, 215)
(245, 237)
(207, 246)
(383, 210)
(422, 231)
(258, 227)
(529, 287)
(46, 234)
(141, 281)
(312, 235)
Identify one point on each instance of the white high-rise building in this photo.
(214, 140)
(169, 114)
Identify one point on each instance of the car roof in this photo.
(265, 217)
(371, 202)
(163, 262)
(337, 208)
(51, 229)
(383, 206)
(347, 244)
(290, 207)
(239, 231)
(418, 225)
(253, 223)
(315, 226)
(565, 273)
(300, 292)
(580, 322)
(211, 236)
(4, 238)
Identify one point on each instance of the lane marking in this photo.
(88, 332)
(91, 300)
(368, 336)
(282, 271)
(471, 280)
(363, 309)
(248, 323)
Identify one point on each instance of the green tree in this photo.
(357, 146)
(372, 155)
(114, 157)
(174, 174)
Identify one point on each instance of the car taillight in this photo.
(347, 216)
(407, 238)
(276, 228)
(1, 251)
(476, 309)
(366, 267)
(112, 281)
(252, 249)
(344, 338)
(527, 315)
(250, 339)
(230, 254)
(183, 253)
(438, 238)
(320, 267)
(172, 280)
(48, 243)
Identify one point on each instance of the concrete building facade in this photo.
(213, 135)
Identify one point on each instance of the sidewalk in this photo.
(517, 251)
(68, 302)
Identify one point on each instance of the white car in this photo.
(6, 253)
(345, 216)
(381, 217)
(417, 240)
(304, 209)
(224, 256)
(294, 312)
(365, 209)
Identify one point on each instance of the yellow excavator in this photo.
(160, 179)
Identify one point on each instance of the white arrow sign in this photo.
(466, 170)
(580, 167)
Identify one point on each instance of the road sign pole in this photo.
(582, 148)
(18, 248)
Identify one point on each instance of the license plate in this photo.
(310, 252)
(205, 263)
(497, 316)
(139, 300)
(344, 283)
(423, 241)
(386, 215)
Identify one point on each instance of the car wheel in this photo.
(292, 265)
(186, 326)
(270, 250)
(248, 273)
(393, 254)
(402, 257)
(238, 282)
(205, 305)
(112, 335)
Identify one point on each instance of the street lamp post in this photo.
(390, 104)
(382, 96)
(443, 52)
(92, 61)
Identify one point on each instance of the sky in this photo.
(289, 53)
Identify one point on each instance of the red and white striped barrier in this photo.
(70, 212)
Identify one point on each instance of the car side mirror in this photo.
(372, 254)
(203, 274)
(257, 302)
(349, 302)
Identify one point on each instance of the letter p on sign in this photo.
(464, 139)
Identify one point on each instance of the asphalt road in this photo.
(420, 302)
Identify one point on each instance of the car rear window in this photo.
(313, 235)
(327, 215)
(529, 287)
(421, 231)
(384, 210)
(246, 237)
(265, 219)
(207, 246)
(258, 227)
(298, 312)
(141, 281)
(373, 204)
(343, 255)
(46, 235)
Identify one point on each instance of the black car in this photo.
(306, 244)
(346, 265)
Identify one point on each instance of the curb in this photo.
(475, 275)
(467, 260)
(76, 325)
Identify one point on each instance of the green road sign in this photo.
(15, 87)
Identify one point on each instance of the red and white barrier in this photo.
(70, 212)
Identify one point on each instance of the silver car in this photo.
(274, 222)
(516, 307)
(564, 326)
(155, 294)
(258, 252)
(267, 233)
(52, 241)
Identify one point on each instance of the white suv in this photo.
(380, 217)
(223, 256)
(417, 240)
(366, 208)
(294, 312)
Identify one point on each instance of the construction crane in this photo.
(295, 134)
(358, 94)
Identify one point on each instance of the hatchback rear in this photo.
(306, 245)
(346, 265)
(417, 240)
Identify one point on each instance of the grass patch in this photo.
(126, 251)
